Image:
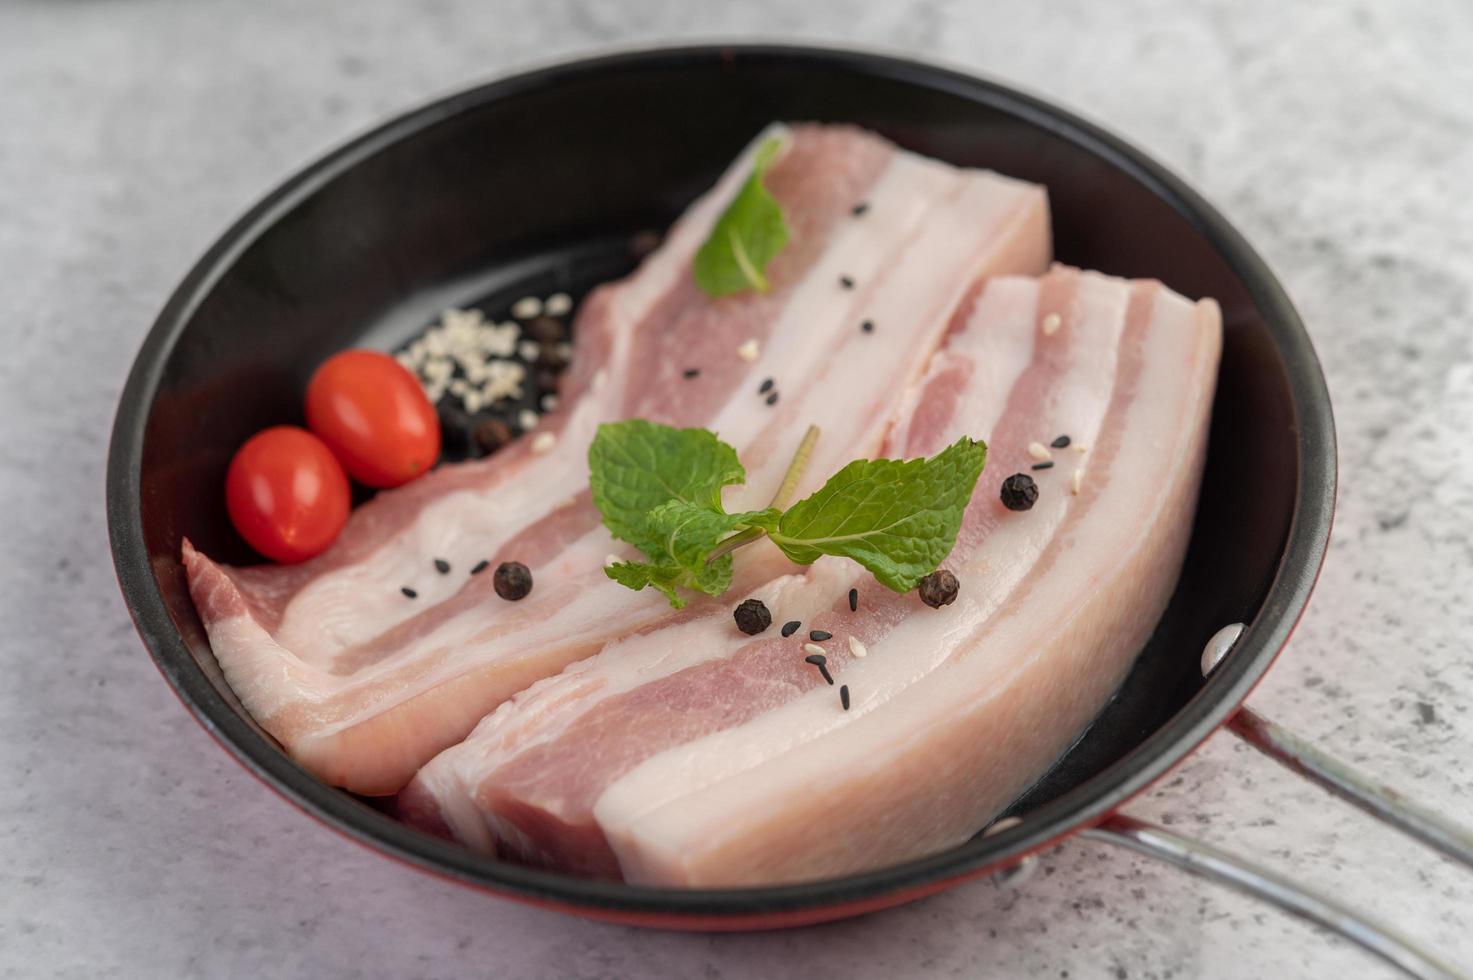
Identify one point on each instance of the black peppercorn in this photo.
(752, 617)
(512, 580)
(550, 358)
(546, 330)
(939, 589)
(492, 434)
(1019, 492)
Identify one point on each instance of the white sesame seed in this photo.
(543, 442)
(1080, 447)
(526, 308)
(611, 560)
(471, 400)
(749, 351)
(557, 304)
(1051, 324)
(857, 648)
(1076, 481)
(815, 649)
(549, 402)
(1006, 823)
(527, 419)
(458, 387)
(528, 350)
(1039, 451)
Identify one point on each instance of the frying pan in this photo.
(540, 182)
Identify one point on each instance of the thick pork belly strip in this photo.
(920, 762)
(534, 774)
(632, 797)
(363, 687)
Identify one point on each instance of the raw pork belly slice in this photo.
(363, 686)
(694, 756)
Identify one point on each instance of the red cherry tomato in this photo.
(286, 493)
(374, 416)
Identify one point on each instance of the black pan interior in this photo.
(540, 183)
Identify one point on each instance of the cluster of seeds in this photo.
(490, 380)
(753, 617)
(512, 580)
(1020, 491)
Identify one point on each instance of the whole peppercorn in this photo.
(939, 589)
(492, 434)
(512, 580)
(1019, 492)
(546, 330)
(550, 358)
(752, 617)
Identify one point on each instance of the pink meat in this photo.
(363, 686)
(695, 756)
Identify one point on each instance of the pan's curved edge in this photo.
(775, 906)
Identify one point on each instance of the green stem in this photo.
(780, 500)
(789, 486)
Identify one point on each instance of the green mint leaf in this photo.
(899, 519)
(710, 579)
(689, 532)
(635, 466)
(747, 236)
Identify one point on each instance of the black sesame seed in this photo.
(791, 627)
(512, 581)
(822, 663)
(844, 696)
(765, 386)
(868, 326)
(442, 566)
(771, 399)
(1061, 442)
(818, 636)
(480, 566)
(691, 372)
(1019, 492)
(752, 616)
(846, 282)
(939, 589)
(408, 592)
(853, 600)
(1047, 464)
(859, 208)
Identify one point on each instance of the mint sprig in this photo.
(659, 489)
(747, 236)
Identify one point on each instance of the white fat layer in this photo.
(464, 527)
(896, 702)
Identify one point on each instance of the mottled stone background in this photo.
(1338, 135)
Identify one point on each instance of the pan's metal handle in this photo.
(1381, 802)
(1208, 862)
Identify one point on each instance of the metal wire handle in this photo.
(1298, 755)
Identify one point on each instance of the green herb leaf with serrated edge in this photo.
(713, 578)
(747, 236)
(635, 466)
(659, 488)
(899, 519)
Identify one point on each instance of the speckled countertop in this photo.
(1339, 136)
